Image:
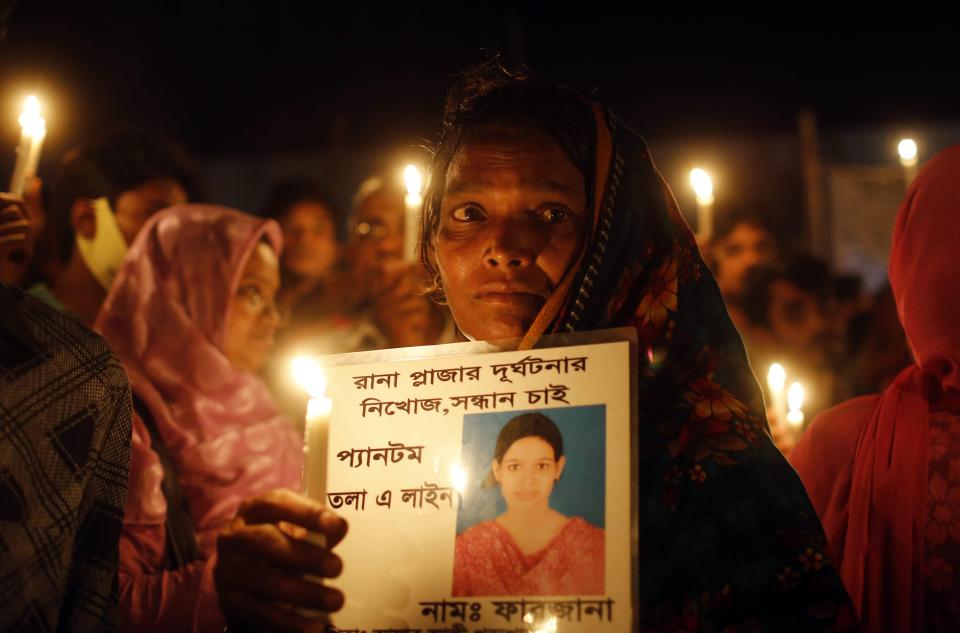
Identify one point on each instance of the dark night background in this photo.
(339, 89)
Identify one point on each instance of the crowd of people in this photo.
(150, 468)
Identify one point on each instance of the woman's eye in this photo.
(252, 294)
(467, 213)
(513, 467)
(555, 215)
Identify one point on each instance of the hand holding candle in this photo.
(33, 129)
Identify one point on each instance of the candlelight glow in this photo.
(30, 120)
(458, 475)
(309, 375)
(702, 186)
(907, 148)
(413, 179)
(795, 397)
(776, 377)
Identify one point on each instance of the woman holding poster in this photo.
(531, 549)
(544, 214)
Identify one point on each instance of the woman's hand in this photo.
(14, 238)
(263, 556)
(21, 220)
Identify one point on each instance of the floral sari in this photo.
(728, 538)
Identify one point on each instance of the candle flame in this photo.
(776, 377)
(702, 185)
(309, 375)
(907, 148)
(413, 180)
(30, 120)
(795, 396)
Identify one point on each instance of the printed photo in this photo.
(531, 521)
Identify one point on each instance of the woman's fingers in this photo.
(269, 543)
(286, 505)
(247, 613)
(267, 583)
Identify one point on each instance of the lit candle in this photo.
(703, 187)
(795, 397)
(907, 148)
(317, 429)
(776, 379)
(414, 206)
(33, 129)
(316, 432)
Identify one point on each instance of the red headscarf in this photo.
(873, 508)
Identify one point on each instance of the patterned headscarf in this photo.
(728, 537)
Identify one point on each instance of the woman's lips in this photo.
(512, 299)
(512, 294)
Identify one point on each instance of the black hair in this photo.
(490, 95)
(287, 193)
(808, 273)
(521, 426)
(121, 161)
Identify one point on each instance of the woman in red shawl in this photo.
(192, 318)
(883, 471)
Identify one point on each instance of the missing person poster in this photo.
(485, 492)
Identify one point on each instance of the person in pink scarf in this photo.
(191, 315)
(883, 471)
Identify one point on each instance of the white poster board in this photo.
(437, 539)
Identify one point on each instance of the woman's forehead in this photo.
(532, 160)
(531, 444)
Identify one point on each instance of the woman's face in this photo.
(527, 472)
(511, 218)
(253, 320)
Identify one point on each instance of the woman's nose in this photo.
(513, 246)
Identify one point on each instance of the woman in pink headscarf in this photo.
(884, 471)
(191, 315)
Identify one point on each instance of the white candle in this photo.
(795, 398)
(315, 437)
(413, 202)
(309, 375)
(907, 148)
(316, 433)
(776, 379)
(33, 129)
(703, 187)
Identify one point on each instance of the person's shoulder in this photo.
(580, 523)
(843, 418)
(482, 529)
(479, 535)
(832, 435)
(582, 528)
(64, 345)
